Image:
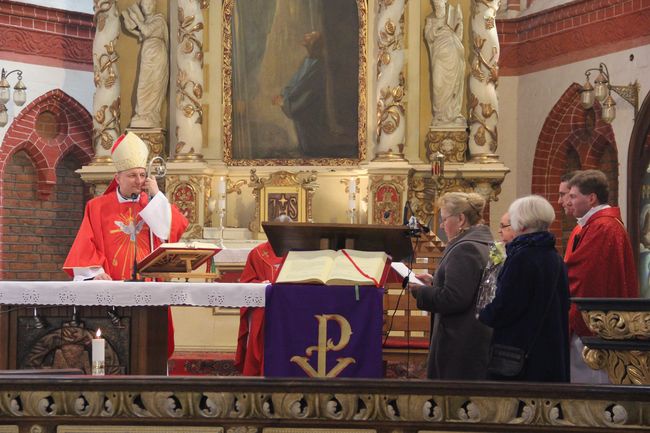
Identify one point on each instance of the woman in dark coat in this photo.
(459, 343)
(531, 305)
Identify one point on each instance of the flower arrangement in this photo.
(497, 253)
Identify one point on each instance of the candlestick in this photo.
(98, 354)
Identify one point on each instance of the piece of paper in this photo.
(404, 271)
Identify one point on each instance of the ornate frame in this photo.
(227, 13)
(302, 183)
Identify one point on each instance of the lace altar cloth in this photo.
(131, 294)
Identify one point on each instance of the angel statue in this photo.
(151, 30)
(443, 33)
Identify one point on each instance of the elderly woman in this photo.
(531, 305)
(459, 343)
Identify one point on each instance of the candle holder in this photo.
(221, 214)
(352, 215)
(98, 368)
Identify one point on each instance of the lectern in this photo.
(393, 240)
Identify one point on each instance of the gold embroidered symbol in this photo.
(324, 346)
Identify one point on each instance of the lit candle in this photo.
(98, 354)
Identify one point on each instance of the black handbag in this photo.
(506, 360)
(509, 361)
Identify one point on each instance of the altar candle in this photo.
(98, 353)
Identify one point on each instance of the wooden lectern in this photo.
(393, 240)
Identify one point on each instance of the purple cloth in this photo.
(291, 327)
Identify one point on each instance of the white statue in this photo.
(443, 32)
(151, 30)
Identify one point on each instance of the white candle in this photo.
(98, 354)
(222, 203)
(352, 204)
(221, 188)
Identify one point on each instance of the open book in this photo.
(178, 257)
(332, 268)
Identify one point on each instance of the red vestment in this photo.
(601, 265)
(105, 238)
(568, 250)
(261, 265)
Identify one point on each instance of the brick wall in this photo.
(41, 198)
(38, 233)
(572, 138)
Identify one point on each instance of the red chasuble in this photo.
(106, 238)
(601, 265)
(107, 233)
(261, 265)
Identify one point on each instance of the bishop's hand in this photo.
(151, 186)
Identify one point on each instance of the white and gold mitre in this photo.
(129, 151)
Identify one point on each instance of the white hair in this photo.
(532, 213)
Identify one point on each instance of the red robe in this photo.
(261, 265)
(104, 239)
(602, 264)
(568, 250)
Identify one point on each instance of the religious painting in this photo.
(294, 82)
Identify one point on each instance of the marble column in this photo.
(189, 81)
(391, 84)
(483, 102)
(106, 100)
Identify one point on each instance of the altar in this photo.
(49, 324)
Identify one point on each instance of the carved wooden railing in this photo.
(67, 404)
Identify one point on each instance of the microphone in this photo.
(415, 226)
(134, 272)
(407, 206)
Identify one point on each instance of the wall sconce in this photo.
(20, 94)
(602, 91)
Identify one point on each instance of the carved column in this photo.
(106, 101)
(189, 81)
(483, 103)
(391, 87)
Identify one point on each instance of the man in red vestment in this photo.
(261, 267)
(601, 264)
(124, 222)
(563, 200)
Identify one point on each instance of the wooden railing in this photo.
(69, 404)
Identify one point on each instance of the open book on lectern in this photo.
(178, 257)
(329, 267)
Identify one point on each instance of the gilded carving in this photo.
(189, 101)
(187, 37)
(618, 325)
(625, 367)
(155, 139)
(452, 144)
(390, 108)
(301, 185)
(386, 193)
(188, 193)
(107, 118)
(245, 411)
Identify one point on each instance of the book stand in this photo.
(177, 262)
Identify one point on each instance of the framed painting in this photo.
(294, 82)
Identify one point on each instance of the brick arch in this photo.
(74, 137)
(565, 131)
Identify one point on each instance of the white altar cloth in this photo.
(131, 294)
